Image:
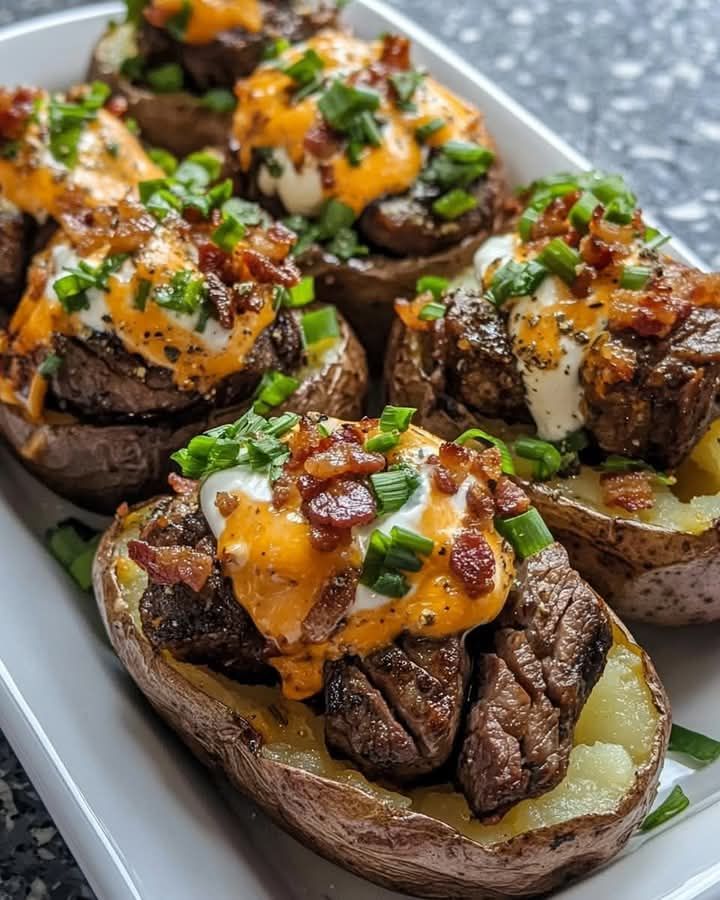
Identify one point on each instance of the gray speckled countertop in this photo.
(632, 84)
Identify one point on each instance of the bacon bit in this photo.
(510, 498)
(480, 504)
(321, 142)
(122, 229)
(16, 107)
(308, 486)
(553, 221)
(261, 268)
(182, 485)
(473, 561)
(344, 504)
(488, 463)
(583, 282)
(347, 433)
(647, 313)
(618, 237)
(595, 252)
(274, 242)
(172, 565)
(122, 510)
(212, 259)
(219, 296)
(37, 282)
(284, 490)
(326, 539)
(327, 175)
(408, 311)
(443, 480)
(329, 609)
(344, 459)
(628, 490)
(456, 457)
(117, 105)
(395, 51)
(226, 503)
(304, 441)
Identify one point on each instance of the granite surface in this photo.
(632, 84)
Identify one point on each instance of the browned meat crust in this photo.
(549, 651)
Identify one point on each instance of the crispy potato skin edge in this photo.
(100, 466)
(398, 849)
(646, 573)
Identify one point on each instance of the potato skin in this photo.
(646, 573)
(396, 848)
(100, 466)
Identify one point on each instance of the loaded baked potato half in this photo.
(60, 154)
(175, 62)
(372, 634)
(157, 318)
(598, 357)
(384, 173)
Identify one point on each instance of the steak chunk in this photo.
(396, 713)
(208, 627)
(15, 233)
(549, 650)
(651, 398)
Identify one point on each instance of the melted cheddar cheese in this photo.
(161, 336)
(267, 116)
(208, 18)
(278, 576)
(110, 163)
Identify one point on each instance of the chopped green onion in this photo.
(634, 278)
(274, 389)
(396, 418)
(300, 294)
(275, 48)
(71, 292)
(219, 100)
(405, 84)
(398, 557)
(71, 289)
(620, 210)
(166, 79)
(548, 459)
(527, 222)
(176, 25)
(423, 132)
(653, 239)
(454, 204)
(560, 259)
(432, 283)
(457, 164)
(381, 443)
(244, 211)
(183, 293)
(74, 552)
(306, 70)
(432, 311)
(341, 103)
(66, 121)
(374, 557)
(391, 584)
(228, 233)
(673, 805)
(199, 169)
(468, 152)
(527, 532)
(699, 746)
(392, 488)
(167, 162)
(515, 280)
(410, 540)
(267, 156)
(581, 211)
(477, 434)
(50, 365)
(320, 325)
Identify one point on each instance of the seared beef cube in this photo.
(550, 648)
(15, 233)
(653, 399)
(396, 713)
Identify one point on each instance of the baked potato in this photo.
(384, 173)
(154, 319)
(49, 175)
(393, 718)
(177, 77)
(604, 373)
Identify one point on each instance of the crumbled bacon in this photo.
(395, 51)
(182, 485)
(510, 498)
(327, 175)
(553, 221)
(326, 539)
(321, 142)
(444, 480)
(16, 107)
(221, 299)
(305, 440)
(261, 268)
(122, 229)
(344, 459)
(308, 486)
(631, 491)
(488, 464)
(329, 609)
(117, 105)
(480, 505)
(618, 237)
(595, 252)
(344, 504)
(172, 565)
(649, 313)
(473, 562)
(226, 503)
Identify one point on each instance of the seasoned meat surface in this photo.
(406, 225)
(396, 713)
(665, 400)
(15, 234)
(548, 651)
(208, 626)
(99, 377)
(236, 52)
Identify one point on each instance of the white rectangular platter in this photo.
(143, 819)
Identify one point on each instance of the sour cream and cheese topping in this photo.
(308, 164)
(207, 18)
(278, 575)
